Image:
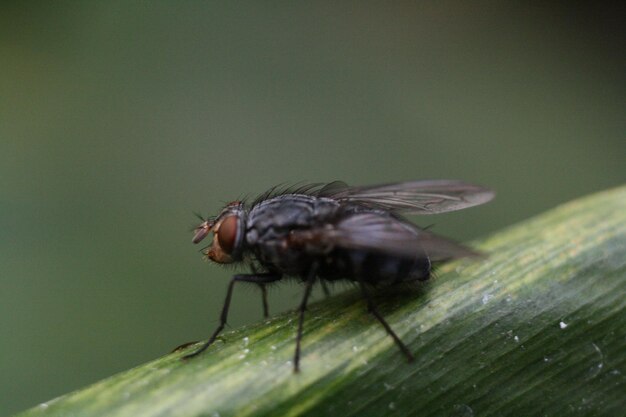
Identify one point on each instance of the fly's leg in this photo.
(253, 278)
(183, 346)
(371, 307)
(325, 288)
(266, 309)
(310, 280)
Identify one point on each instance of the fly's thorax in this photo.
(290, 211)
(271, 222)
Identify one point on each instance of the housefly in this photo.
(329, 232)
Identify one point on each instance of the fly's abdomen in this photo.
(374, 268)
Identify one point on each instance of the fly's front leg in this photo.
(259, 279)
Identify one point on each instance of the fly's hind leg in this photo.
(371, 307)
(310, 280)
(259, 279)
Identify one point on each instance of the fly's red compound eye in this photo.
(227, 233)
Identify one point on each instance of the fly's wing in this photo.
(375, 232)
(413, 197)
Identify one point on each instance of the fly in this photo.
(329, 232)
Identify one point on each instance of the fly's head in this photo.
(228, 234)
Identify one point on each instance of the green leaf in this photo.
(537, 328)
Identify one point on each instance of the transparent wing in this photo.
(413, 197)
(385, 234)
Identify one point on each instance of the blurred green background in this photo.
(117, 120)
